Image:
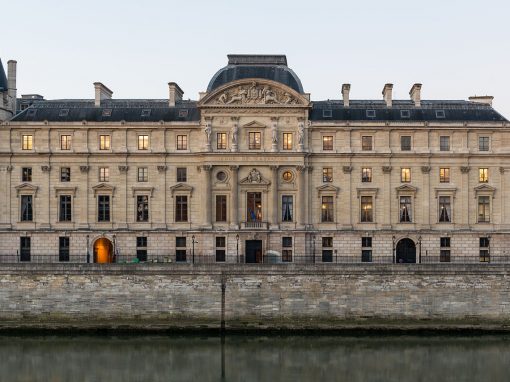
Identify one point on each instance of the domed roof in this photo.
(3, 78)
(269, 67)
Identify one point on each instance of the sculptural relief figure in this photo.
(269, 95)
(301, 133)
(223, 98)
(274, 134)
(254, 176)
(207, 131)
(239, 97)
(287, 98)
(235, 131)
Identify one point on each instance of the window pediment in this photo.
(142, 190)
(181, 187)
(406, 189)
(449, 191)
(103, 188)
(26, 188)
(484, 189)
(255, 178)
(59, 190)
(368, 191)
(255, 124)
(328, 188)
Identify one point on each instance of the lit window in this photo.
(254, 141)
(27, 142)
(104, 142)
(143, 174)
(366, 175)
(287, 176)
(444, 175)
(254, 206)
(327, 142)
(483, 143)
(445, 209)
(287, 141)
(143, 142)
(405, 175)
(221, 141)
(483, 175)
(484, 209)
(65, 142)
(327, 174)
(327, 209)
(405, 209)
(405, 143)
(444, 143)
(366, 143)
(104, 174)
(366, 209)
(182, 142)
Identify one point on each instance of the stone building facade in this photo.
(254, 171)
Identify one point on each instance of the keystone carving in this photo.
(425, 169)
(46, 168)
(386, 169)
(465, 169)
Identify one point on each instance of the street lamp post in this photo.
(88, 253)
(419, 243)
(313, 253)
(193, 249)
(114, 248)
(237, 247)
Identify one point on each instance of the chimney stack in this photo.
(175, 94)
(487, 100)
(415, 94)
(101, 93)
(387, 94)
(11, 83)
(346, 88)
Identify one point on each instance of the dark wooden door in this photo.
(406, 251)
(253, 251)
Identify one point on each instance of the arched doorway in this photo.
(103, 251)
(406, 251)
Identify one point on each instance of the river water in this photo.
(255, 358)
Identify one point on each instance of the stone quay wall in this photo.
(235, 297)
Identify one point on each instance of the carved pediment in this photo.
(255, 178)
(484, 189)
(327, 188)
(65, 190)
(142, 190)
(181, 187)
(254, 92)
(406, 188)
(103, 188)
(255, 124)
(445, 191)
(367, 191)
(26, 188)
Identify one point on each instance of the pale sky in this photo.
(456, 48)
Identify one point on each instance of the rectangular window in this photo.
(65, 212)
(180, 248)
(444, 252)
(287, 141)
(141, 248)
(254, 141)
(327, 142)
(287, 208)
(182, 142)
(27, 211)
(254, 206)
(445, 209)
(327, 209)
(65, 174)
(405, 209)
(24, 248)
(484, 250)
(143, 142)
(143, 174)
(484, 209)
(221, 208)
(181, 208)
(366, 209)
(142, 208)
(483, 143)
(444, 143)
(366, 143)
(221, 141)
(26, 174)
(405, 175)
(63, 248)
(182, 174)
(104, 142)
(286, 249)
(327, 174)
(366, 249)
(65, 142)
(483, 175)
(104, 174)
(444, 175)
(327, 249)
(405, 143)
(103, 208)
(366, 175)
(27, 142)
(220, 248)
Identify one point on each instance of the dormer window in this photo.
(327, 113)
(370, 113)
(63, 113)
(146, 112)
(440, 114)
(405, 114)
(107, 113)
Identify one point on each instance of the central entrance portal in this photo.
(406, 251)
(103, 251)
(253, 251)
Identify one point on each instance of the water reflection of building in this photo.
(252, 167)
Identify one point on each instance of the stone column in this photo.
(206, 170)
(274, 134)
(273, 206)
(47, 170)
(234, 200)
(302, 195)
(465, 207)
(426, 198)
(386, 220)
